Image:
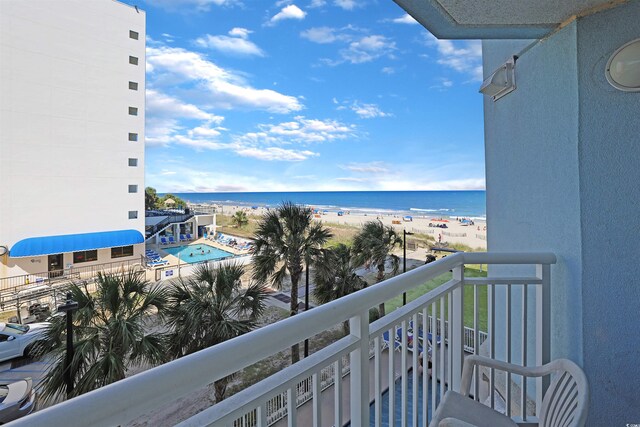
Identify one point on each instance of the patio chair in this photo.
(385, 342)
(410, 340)
(565, 403)
(183, 238)
(189, 236)
(172, 240)
(163, 241)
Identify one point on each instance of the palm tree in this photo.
(239, 219)
(211, 307)
(335, 276)
(110, 334)
(285, 238)
(372, 245)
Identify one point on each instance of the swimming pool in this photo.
(198, 253)
(398, 403)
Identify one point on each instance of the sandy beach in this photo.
(474, 235)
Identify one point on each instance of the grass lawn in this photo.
(468, 297)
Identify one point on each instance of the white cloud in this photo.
(388, 70)
(367, 168)
(162, 105)
(240, 32)
(288, 12)
(465, 59)
(368, 111)
(442, 84)
(276, 153)
(219, 87)
(447, 185)
(163, 113)
(236, 43)
(190, 5)
(405, 19)
(300, 130)
(351, 179)
(367, 49)
(347, 4)
(321, 35)
(317, 3)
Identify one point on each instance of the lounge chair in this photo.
(385, 342)
(183, 238)
(564, 403)
(172, 240)
(163, 241)
(189, 236)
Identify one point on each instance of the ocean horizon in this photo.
(471, 204)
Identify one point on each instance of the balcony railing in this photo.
(521, 302)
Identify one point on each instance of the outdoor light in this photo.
(501, 82)
(623, 68)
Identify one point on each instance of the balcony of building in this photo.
(358, 377)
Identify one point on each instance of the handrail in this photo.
(24, 281)
(127, 399)
(155, 229)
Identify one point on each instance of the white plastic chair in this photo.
(565, 403)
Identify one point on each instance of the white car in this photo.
(15, 339)
(17, 399)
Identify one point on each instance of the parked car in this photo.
(15, 339)
(17, 399)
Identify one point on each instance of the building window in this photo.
(133, 136)
(122, 251)
(133, 214)
(85, 256)
(133, 189)
(133, 162)
(133, 111)
(133, 85)
(133, 60)
(133, 34)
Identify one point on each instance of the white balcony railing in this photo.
(524, 326)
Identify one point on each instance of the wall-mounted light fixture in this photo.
(623, 68)
(501, 82)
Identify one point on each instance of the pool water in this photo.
(198, 253)
(398, 404)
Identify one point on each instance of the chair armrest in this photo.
(454, 422)
(472, 361)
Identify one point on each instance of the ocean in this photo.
(471, 204)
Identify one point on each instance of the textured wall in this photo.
(609, 153)
(532, 172)
(563, 174)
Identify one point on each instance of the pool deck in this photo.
(305, 411)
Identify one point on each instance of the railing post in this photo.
(359, 363)
(543, 328)
(456, 341)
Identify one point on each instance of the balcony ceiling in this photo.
(496, 19)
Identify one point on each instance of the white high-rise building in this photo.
(72, 87)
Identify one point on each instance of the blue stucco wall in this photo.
(532, 173)
(563, 174)
(609, 154)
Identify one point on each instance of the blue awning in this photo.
(37, 246)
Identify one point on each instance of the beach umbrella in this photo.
(169, 202)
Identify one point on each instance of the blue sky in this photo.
(309, 95)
